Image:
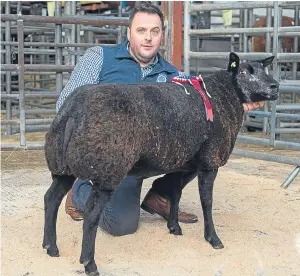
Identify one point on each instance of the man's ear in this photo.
(234, 62)
(128, 33)
(267, 61)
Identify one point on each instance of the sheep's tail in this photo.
(66, 139)
(57, 145)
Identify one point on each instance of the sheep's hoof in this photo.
(215, 242)
(91, 268)
(94, 273)
(175, 230)
(52, 251)
(218, 246)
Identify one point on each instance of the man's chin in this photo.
(147, 58)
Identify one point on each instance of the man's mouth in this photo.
(148, 47)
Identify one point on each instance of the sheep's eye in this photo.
(244, 72)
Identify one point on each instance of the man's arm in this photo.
(253, 105)
(87, 71)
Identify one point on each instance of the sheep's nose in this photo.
(274, 85)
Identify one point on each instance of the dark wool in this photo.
(104, 132)
(107, 131)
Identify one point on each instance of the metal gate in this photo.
(278, 110)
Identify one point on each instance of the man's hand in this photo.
(254, 105)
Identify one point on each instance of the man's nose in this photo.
(148, 35)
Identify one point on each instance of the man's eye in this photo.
(155, 32)
(140, 31)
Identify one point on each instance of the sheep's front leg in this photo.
(52, 200)
(94, 206)
(175, 196)
(205, 183)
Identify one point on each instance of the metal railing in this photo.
(65, 54)
(49, 61)
(49, 28)
(271, 122)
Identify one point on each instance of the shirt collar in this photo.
(158, 65)
(124, 53)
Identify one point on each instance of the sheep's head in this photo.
(251, 81)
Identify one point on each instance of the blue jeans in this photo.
(121, 214)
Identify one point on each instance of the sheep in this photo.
(107, 131)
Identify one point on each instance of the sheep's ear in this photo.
(234, 62)
(267, 61)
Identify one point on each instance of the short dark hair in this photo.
(147, 7)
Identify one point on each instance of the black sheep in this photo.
(104, 132)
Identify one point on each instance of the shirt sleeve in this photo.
(87, 71)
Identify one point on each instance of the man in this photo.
(135, 60)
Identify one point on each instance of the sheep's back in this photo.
(159, 123)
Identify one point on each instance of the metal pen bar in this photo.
(49, 52)
(286, 125)
(38, 111)
(67, 31)
(78, 29)
(78, 19)
(267, 49)
(237, 5)
(267, 157)
(21, 81)
(187, 46)
(51, 44)
(100, 30)
(291, 177)
(289, 89)
(31, 128)
(36, 95)
(275, 73)
(250, 56)
(248, 31)
(290, 82)
(245, 38)
(266, 142)
(288, 107)
(73, 34)
(28, 121)
(28, 146)
(280, 115)
(37, 67)
(119, 39)
(286, 130)
(8, 61)
(295, 46)
(241, 18)
(58, 55)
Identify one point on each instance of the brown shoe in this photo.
(71, 210)
(155, 204)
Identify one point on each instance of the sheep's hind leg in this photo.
(94, 206)
(175, 196)
(205, 183)
(52, 200)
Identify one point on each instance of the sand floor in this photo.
(257, 221)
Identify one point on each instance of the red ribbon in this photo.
(196, 84)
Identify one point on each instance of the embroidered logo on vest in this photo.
(161, 78)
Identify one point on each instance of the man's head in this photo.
(145, 33)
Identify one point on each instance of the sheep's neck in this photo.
(226, 86)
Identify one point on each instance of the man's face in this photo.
(145, 36)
